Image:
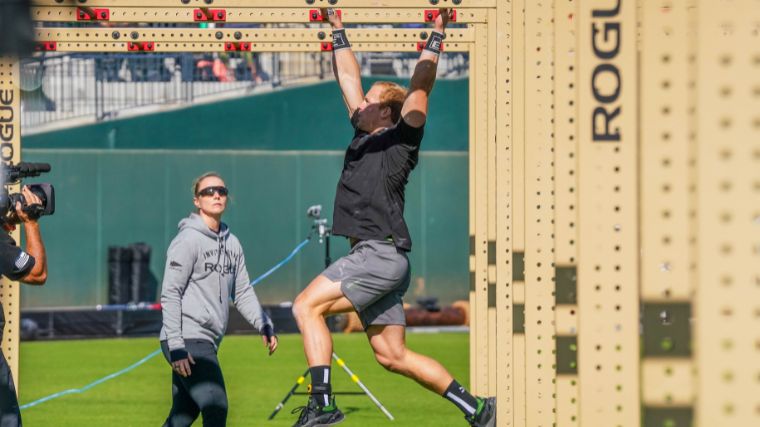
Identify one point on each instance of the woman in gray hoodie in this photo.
(205, 267)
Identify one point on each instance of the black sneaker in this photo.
(485, 415)
(313, 416)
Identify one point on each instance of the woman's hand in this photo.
(269, 339)
(182, 366)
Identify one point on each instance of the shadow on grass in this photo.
(349, 410)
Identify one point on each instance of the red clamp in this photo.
(203, 15)
(326, 46)
(237, 47)
(89, 14)
(141, 47)
(316, 16)
(421, 45)
(432, 14)
(46, 46)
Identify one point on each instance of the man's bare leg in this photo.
(322, 297)
(389, 345)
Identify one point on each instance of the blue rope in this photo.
(281, 263)
(152, 355)
(92, 384)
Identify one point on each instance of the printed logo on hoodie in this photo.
(225, 270)
(224, 265)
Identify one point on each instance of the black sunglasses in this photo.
(209, 191)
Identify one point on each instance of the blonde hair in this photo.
(393, 97)
(198, 180)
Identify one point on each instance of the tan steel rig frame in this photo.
(614, 188)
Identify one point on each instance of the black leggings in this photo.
(9, 411)
(203, 392)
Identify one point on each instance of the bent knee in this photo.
(393, 362)
(303, 308)
(297, 308)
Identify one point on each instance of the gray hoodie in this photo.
(203, 270)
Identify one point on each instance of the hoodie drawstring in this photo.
(218, 256)
(228, 266)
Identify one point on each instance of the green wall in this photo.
(127, 181)
(304, 118)
(120, 197)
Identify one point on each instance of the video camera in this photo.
(12, 174)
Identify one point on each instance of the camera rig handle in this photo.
(322, 229)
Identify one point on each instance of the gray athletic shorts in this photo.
(374, 276)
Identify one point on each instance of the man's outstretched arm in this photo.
(345, 66)
(415, 109)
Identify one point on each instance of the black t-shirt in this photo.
(14, 264)
(369, 202)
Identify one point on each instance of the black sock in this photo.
(466, 402)
(320, 385)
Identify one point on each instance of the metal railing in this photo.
(103, 86)
(96, 87)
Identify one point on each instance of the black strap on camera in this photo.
(340, 41)
(435, 42)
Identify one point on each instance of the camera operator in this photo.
(29, 266)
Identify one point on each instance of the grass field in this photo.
(255, 382)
